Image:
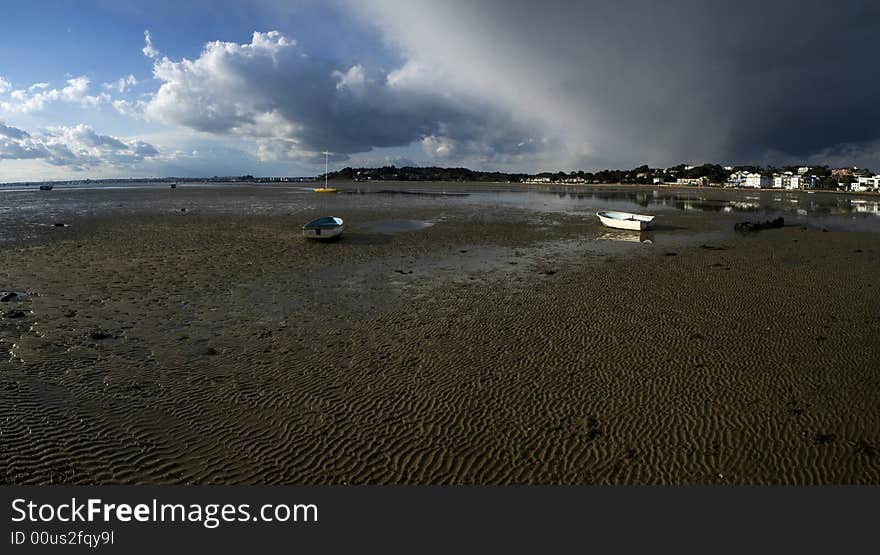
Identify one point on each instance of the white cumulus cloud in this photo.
(295, 106)
(36, 97)
(75, 147)
(122, 84)
(149, 50)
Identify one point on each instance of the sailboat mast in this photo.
(326, 158)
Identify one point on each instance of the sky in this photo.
(124, 88)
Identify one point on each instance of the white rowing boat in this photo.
(624, 220)
(324, 228)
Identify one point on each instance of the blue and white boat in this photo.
(324, 228)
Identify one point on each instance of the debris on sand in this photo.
(15, 313)
(759, 226)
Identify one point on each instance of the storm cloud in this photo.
(663, 82)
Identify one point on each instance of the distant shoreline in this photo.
(294, 180)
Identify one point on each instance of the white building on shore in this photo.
(757, 181)
(789, 180)
(865, 183)
(693, 181)
(737, 179)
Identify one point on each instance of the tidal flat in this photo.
(497, 335)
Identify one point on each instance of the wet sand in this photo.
(487, 348)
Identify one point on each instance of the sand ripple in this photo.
(268, 360)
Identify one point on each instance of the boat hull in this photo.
(625, 220)
(323, 234)
(324, 228)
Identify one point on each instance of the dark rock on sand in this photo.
(15, 313)
(759, 226)
(5, 296)
(590, 428)
(59, 224)
(865, 448)
(824, 438)
(97, 335)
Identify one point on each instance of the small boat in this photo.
(174, 185)
(46, 187)
(326, 188)
(624, 220)
(324, 228)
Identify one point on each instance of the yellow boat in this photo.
(325, 188)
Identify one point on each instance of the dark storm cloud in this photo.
(663, 81)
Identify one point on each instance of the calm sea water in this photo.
(24, 211)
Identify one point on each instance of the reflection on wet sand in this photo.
(395, 225)
(628, 236)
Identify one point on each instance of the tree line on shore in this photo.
(644, 174)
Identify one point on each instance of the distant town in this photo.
(706, 175)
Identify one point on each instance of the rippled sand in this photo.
(513, 348)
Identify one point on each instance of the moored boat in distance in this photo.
(624, 220)
(326, 188)
(45, 187)
(324, 228)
